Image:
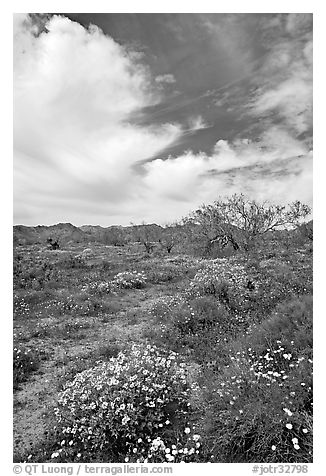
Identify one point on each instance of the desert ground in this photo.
(208, 359)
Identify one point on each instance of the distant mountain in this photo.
(66, 232)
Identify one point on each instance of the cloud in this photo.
(197, 123)
(75, 91)
(165, 78)
(277, 168)
(81, 156)
(284, 80)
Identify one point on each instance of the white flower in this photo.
(273, 447)
(287, 411)
(295, 441)
(54, 455)
(187, 430)
(296, 447)
(304, 430)
(125, 420)
(289, 426)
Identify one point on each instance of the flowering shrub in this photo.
(25, 361)
(162, 307)
(161, 451)
(129, 280)
(96, 287)
(226, 281)
(33, 271)
(262, 399)
(262, 409)
(119, 407)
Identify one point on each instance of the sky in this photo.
(123, 118)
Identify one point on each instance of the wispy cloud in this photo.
(165, 78)
(284, 80)
(196, 123)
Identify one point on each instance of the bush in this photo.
(290, 322)
(225, 280)
(119, 410)
(97, 287)
(33, 271)
(261, 402)
(129, 280)
(261, 409)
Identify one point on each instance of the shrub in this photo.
(97, 287)
(129, 280)
(290, 322)
(260, 409)
(261, 402)
(118, 409)
(223, 279)
(33, 271)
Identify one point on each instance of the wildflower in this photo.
(288, 412)
(187, 430)
(289, 426)
(54, 455)
(295, 441)
(125, 420)
(273, 447)
(304, 430)
(296, 447)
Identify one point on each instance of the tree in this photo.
(238, 221)
(114, 236)
(170, 236)
(147, 235)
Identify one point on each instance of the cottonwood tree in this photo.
(238, 221)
